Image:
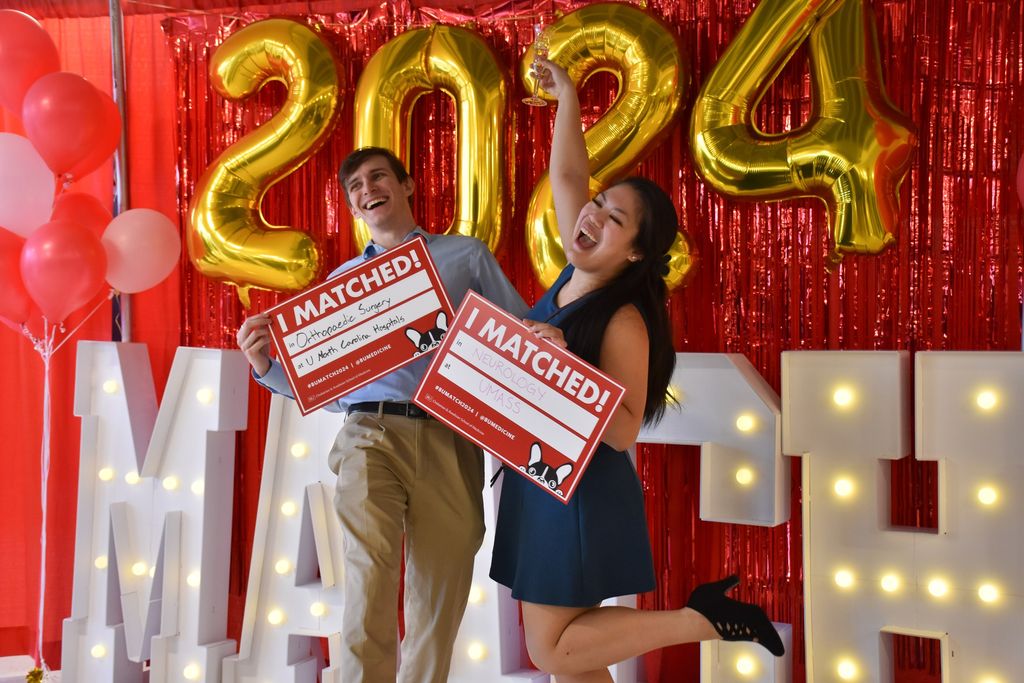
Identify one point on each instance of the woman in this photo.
(562, 560)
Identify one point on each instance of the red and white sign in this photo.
(536, 406)
(361, 324)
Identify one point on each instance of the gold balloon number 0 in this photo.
(853, 152)
(228, 239)
(459, 63)
(646, 61)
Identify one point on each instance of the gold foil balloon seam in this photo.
(228, 238)
(854, 151)
(459, 63)
(644, 57)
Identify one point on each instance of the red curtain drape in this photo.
(953, 280)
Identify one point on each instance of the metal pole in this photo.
(122, 302)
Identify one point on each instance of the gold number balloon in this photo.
(460, 64)
(645, 59)
(853, 152)
(228, 239)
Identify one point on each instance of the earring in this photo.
(634, 258)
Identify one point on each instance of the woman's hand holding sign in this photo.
(545, 331)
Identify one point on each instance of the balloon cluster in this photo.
(58, 247)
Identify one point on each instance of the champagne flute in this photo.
(541, 45)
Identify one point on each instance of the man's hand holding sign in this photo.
(536, 406)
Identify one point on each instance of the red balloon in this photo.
(64, 117)
(15, 305)
(1020, 180)
(106, 144)
(62, 265)
(26, 54)
(81, 209)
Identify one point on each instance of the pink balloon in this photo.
(26, 186)
(106, 144)
(26, 54)
(15, 304)
(82, 209)
(142, 249)
(62, 265)
(64, 117)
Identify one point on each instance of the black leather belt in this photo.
(390, 408)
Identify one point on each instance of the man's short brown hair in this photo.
(358, 157)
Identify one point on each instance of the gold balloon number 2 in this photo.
(853, 152)
(645, 59)
(228, 239)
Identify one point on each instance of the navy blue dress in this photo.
(573, 554)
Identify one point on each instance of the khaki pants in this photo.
(398, 474)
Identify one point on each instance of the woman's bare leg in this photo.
(583, 640)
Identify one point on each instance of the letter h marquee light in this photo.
(846, 413)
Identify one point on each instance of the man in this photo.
(400, 471)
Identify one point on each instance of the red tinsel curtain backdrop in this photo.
(952, 281)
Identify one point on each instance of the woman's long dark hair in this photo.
(642, 284)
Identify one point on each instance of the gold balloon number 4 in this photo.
(856, 147)
(228, 239)
(644, 57)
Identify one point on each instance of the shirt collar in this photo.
(373, 249)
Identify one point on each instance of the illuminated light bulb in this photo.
(289, 508)
(987, 399)
(987, 495)
(139, 569)
(299, 449)
(318, 609)
(106, 474)
(170, 482)
(98, 651)
(193, 579)
(744, 476)
(132, 478)
(843, 488)
(745, 665)
(476, 651)
(844, 578)
(275, 617)
(110, 386)
(890, 583)
(197, 487)
(843, 397)
(101, 562)
(282, 566)
(191, 672)
(988, 593)
(938, 587)
(847, 669)
(205, 396)
(745, 422)
(476, 594)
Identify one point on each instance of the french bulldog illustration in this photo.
(424, 341)
(552, 477)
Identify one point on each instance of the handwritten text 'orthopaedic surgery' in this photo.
(541, 363)
(351, 287)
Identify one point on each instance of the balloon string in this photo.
(95, 308)
(46, 352)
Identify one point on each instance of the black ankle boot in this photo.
(732, 619)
